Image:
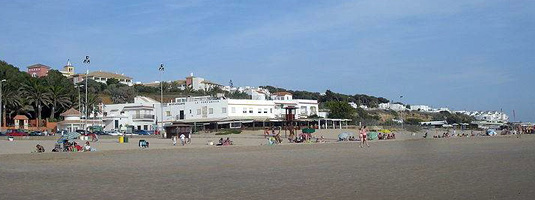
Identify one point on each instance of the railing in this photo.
(143, 117)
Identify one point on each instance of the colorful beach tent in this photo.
(491, 132)
(372, 135)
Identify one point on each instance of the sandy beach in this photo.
(406, 168)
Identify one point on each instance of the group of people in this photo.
(386, 136)
(224, 142)
(67, 147)
(183, 139)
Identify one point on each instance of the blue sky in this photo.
(473, 55)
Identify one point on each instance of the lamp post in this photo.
(161, 69)
(79, 98)
(401, 116)
(87, 61)
(1, 105)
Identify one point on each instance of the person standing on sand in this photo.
(363, 135)
(182, 139)
(189, 138)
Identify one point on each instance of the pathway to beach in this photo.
(456, 168)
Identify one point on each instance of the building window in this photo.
(198, 111)
(210, 111)
(189, 111)
(259, 110)
(233, 109)
(244, 110)
(223, 110)
(251, 110)
(271, 110)
(168, 113)
(265, 110)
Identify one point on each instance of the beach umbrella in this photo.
(69, 136)
(385, 131)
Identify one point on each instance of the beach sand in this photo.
(406, 168)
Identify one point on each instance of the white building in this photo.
(72, 121)
(198, 83)
(281, 96)
(421, 108)
(487, 116)
(207, 108)
(140, 115)
(102, 77)
(392, 106)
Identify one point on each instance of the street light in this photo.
(400, 97)
(87, 61)
(161, 69)
(3, 80)
(79, 98)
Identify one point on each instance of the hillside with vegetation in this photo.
(48, 97)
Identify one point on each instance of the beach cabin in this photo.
(21, 122)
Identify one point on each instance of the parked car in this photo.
(142, 132)
(37, 133)
(114, 133)
(15, 132)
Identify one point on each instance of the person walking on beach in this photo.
(174, 140)
(188, 141)
(363, 135)
(182, 139)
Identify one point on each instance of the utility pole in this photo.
(161, 69)
(1, 105)
(87, 61)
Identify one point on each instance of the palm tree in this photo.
(92, 106)
(10, 99)
(37, 94)
(23, 107)
(58, 98)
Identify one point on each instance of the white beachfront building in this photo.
(212, 112)
(206, 108)
(139, 115)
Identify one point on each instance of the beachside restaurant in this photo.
(257, 123)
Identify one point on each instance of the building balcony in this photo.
(143, 117)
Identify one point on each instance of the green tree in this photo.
(122, 94)
(340, 110)
(37, 94)
(10, 99)
(112, 81)
(59, 98)
(24, 107)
